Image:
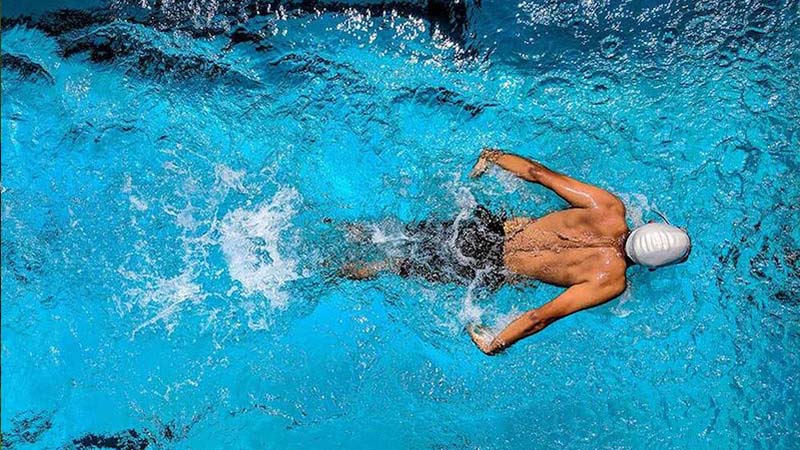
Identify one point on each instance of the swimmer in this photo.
(585, 248)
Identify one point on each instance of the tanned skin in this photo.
(580, 248)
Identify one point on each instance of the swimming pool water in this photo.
(175, 176)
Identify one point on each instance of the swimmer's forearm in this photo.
(521, 167)
(523, 326)
(576, 193)
(576, 298)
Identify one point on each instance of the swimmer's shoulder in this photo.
(610, 270)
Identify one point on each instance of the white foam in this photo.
(249, 239)
(466, 204)
(138, 203)
(387, 234)
(509, 182)
(470, 312)
(620, 309)
(227, 178)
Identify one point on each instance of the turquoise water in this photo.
(175, 179)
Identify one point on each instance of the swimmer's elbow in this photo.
(611, 202)
(613, 289)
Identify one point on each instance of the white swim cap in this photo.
(657, 245)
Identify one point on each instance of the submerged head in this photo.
(657, 245)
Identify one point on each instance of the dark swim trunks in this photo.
(465, 250)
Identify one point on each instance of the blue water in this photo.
(166, 256)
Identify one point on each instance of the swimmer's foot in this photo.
(360, 270)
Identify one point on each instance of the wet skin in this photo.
(580, 248)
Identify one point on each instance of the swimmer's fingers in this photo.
(472, 331)
(488, 155)
(479, 168)
(479, 337)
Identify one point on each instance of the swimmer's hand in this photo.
(482, 339)
(488, 155)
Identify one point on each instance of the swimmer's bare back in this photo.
(580, 248)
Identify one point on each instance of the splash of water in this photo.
(250, 240)
(169, 294)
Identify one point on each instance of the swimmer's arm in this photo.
(576, 193)
(574, 299)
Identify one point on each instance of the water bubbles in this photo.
(669, 37)
(702, 36)
(552, 91)
(759, 96)
(610, 46)
(732, 159)
(762, 19)
(600, 86)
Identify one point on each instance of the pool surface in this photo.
(176, 176)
